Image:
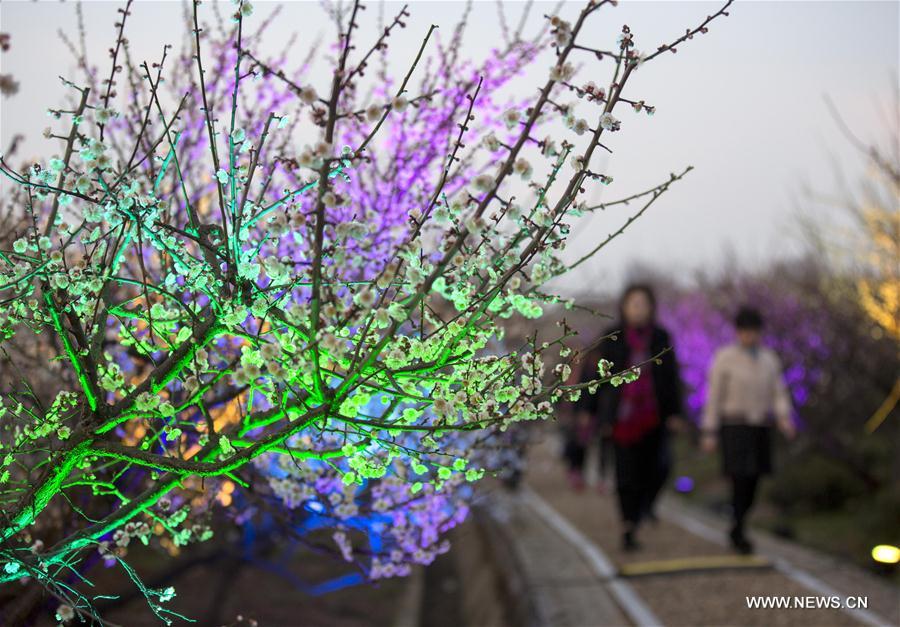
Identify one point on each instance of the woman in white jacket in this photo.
(746, 393)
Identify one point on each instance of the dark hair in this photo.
(638, 288)
(748, 318)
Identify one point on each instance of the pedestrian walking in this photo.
(582, 430)
(636, 417)
(746, 395)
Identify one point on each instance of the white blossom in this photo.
(511, 118)
(523, 168)
(580, 126)
(308, 95)
(562, 72)
(483, 182)
(399, 104)
(65, 613)
(374, 112)
(609, 122)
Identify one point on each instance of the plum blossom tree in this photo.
(866, 251)
(253, 289)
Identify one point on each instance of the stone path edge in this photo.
(628, 600)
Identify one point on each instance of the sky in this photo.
(743, 104)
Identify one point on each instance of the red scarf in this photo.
(638, 413)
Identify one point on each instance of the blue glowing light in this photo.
(684, 484)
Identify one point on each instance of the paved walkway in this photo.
(550, 581)
(567, 547)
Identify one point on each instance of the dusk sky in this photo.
(744, 104)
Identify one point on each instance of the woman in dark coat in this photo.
(637, 415)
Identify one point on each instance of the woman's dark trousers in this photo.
(746, 455)
(640, 473)
(574, 452)
(743, 492)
